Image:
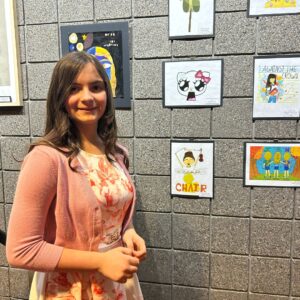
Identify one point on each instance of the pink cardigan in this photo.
(50, 195)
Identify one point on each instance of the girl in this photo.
(272, 88)
(71, 219)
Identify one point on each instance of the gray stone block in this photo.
(272, 203)
(156, 291)
(235, 33)
(296, 240)
(230, 235)
(42, 11)
(228, 295)
(151, 119)
(152, 156)
(10, 179)
(19, 283)
(231, 198)
(191, 232)
(22, 48)
(231, 5)
(268, 41)
(128, 143)
(266, 297)
(2, 219)
(15, 121)
(20, 12)
(269, 129)
(42, 42)
(271, 237)
(4, 282)
(296, 278)
(157, 267)
(238, 69)
(3, 260)
(229, 272)
(238, 125)
(114, 9)
(75, 10)
(124, 120)
(38, 88)
(37, 117)
(191, 123)
(188, 48)
(148, 8)
(150, 38)
(191, 268)
(198, 206)
(24, 81)
(155, 228)
(270, 275)
(13, 152)
(182, 292)
(297, 204)
(1, 189)
(229, 158)
(147, 82)
(153, 193)
(7, 213)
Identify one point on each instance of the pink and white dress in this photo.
(114, 193)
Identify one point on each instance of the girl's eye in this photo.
(98, 87)
(74, 89)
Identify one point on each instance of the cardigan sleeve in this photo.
(36, 188)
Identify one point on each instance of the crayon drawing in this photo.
(192, 169)
(272, 164)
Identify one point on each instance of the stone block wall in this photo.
(242, 245)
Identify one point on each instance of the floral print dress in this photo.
(114, 193)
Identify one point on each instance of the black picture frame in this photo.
(270, 14)
(276, 171)
(109, 42)
(281, 109)
(198, 185)
(170, 81)
(190, 36)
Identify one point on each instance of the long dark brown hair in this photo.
(61, 132)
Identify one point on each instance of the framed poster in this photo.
(272, 7)
(196, 83)
(272, 164)
(10, 73)
(109, 43)
(191, 19)
(192, 169)
(276, 87)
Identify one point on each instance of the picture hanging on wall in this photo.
(276, 92)
(191, 18)
(272, 7)
(272, 164)
(109, 43)
(197, 83)
(192, 169)
(10, 79)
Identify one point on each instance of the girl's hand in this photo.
(136, 243)
(118, 264)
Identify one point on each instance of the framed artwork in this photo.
(272, 164)
(191, 19)
(272, 7)
(10, 78)
(109, 43)
(192, 169)
(276, 92)
(196, 83)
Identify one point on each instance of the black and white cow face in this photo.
(192, 83)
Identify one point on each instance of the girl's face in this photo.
(87, 101)
(272, 79)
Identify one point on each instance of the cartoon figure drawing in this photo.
(267, 163)
(280, 3)
(192, 83)
(286, 164)
(272, 88)
(276, 163)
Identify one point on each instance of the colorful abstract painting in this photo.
(276, 87)
(272, 164)
(192, 166)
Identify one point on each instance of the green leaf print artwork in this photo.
(190, 6)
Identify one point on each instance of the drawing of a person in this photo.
(272, 88)
(276, 161)
(267, 163)
(286, 164)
